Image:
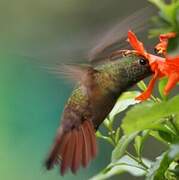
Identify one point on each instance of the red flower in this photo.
(171, 70)
(161, 47)
(136, 44)
(161, 66)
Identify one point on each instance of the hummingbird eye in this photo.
(156, 51)
(142, 61)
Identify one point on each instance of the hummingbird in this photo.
(89, 104)
(97, 90)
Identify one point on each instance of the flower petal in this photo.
(146, 94)
(167, 36)
(173, 63)
(172, 81)
(136, 44)
(161, 47)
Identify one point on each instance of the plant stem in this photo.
(111, 131)
(138, 160)
(156, 100)
(118, 164)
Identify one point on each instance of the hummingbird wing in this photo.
(74, 72)
(115, 38)
(82, 74)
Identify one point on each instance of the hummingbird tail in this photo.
(74, 148)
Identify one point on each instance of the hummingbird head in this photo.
(137, 68)
(133, 68)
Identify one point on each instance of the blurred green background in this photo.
(34, 32)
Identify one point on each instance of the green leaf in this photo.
(161, 87)
(99, 134)
(159, 167)
(174, 172)
(106, 138)
(171, 134)
(107, 123)
(166, 136)
(167, 10)
(137, 145)
(176, 121)
(167, 21)
(174, 166)
(125, 164)
(166, 165)
(156, 135)
(124, 101)
(149, 115)
(117, 134)
(139, 141)
(123, 143)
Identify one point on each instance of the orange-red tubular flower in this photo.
(171, 70)
(136, 44)
(161, 66)
(161, 47)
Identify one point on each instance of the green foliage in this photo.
(158, 118)
(124, 164)
(124, 101)
(167, 19)
(121, 146)
(152, 118)
(159, 167)
(161, 86)
(150, 115)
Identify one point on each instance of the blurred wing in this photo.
(116, 37)
(113, 40)
(74, 72)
